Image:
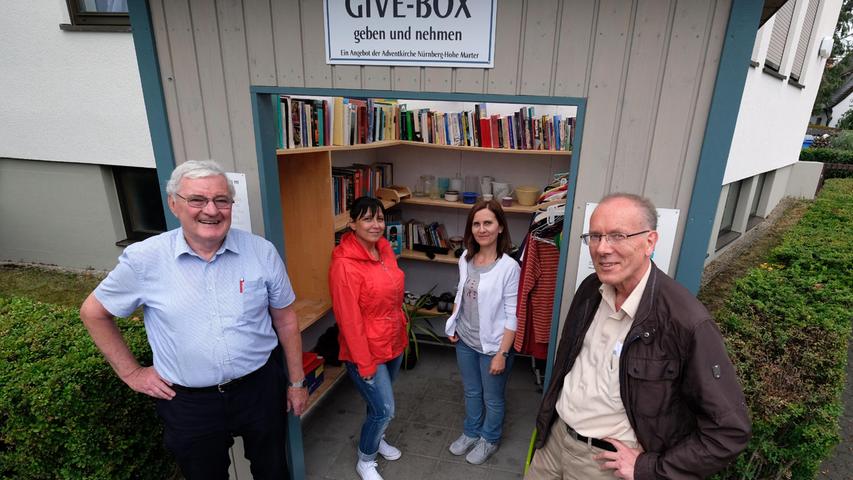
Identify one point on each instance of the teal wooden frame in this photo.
(263, 111)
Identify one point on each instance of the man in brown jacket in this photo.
(642, 386)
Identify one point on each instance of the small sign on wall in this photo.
(240, 217)
(416, 33)
(662, 256)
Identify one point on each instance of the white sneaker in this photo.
(481, 452)
(461, 445)
(367, 470)
(388, 451)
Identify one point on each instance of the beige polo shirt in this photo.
(590, 401)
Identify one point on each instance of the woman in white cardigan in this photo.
(483, 327)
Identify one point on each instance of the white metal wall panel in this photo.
(646, 68)
(779, 35)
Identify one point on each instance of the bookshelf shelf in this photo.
(308, 311)
(439, 258)
(393, 143)
(331, 376)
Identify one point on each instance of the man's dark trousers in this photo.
(200, 426)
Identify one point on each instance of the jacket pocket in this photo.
(380, 337)
(653, 383)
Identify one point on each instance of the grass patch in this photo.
(46, 285)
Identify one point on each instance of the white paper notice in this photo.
(240, 217)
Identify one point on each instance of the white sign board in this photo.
(667, 226)
(419, 33)
(240, 210)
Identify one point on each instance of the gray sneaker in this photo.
(481, 452)
(462, 444)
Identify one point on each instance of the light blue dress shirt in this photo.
(207, 322)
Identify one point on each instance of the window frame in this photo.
(132, 233)
(95, 21)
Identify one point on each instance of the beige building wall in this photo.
(646, 67)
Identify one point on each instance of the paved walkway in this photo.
(840, 465)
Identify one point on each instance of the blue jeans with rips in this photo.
(485, 402)
(379, 397)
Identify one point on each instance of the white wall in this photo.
(774, 114)
(68, 96)
(839, 109)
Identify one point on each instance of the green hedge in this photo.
(786, 324)
(63, 412)
(826, 155)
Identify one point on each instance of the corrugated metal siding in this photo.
(779, 36)
(647, 68)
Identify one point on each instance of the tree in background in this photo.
(841, 60)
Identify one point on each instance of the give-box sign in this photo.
(419, 33)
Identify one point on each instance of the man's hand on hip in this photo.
(621, 461)
(297, 400)
(146, 380)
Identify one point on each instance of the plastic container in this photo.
(451, 196)
(527, 195)
(506, 201)
(469, 197)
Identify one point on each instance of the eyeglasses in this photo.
(197, 201)
(612, 238)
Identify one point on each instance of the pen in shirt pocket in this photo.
(241, 285)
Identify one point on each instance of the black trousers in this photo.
(200, 426)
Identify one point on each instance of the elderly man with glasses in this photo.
(642, 387)
(217, 304)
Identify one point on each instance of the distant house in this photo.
(839, 103)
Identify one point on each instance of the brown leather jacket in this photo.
(679, 388)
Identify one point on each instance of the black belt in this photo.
(595, 442)
(221, 388)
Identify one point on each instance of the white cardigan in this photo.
(497, 297)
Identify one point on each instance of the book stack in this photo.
(357, 180)
(426, 236)
(307, 122)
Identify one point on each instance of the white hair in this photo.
(196, 169)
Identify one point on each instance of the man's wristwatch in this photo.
(505, 354)
(299, 384)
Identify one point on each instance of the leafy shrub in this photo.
(844, 139)
(63, 412)
(846, 120)
(786, 324)
(826, 155)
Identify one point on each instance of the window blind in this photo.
(805, 37)
(779, 35)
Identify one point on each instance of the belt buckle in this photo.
(221, 386)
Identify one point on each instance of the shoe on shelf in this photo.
(481, 452)
(388, 451)
(461, 445)
(367, 470)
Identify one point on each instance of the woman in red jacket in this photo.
(367, 298)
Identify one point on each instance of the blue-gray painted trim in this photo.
(564, 249)
(155, 100)
(722, 117)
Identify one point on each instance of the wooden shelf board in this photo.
(392, 143)
(515, 208)
(310, 310)
(331, 376)
(413, 255)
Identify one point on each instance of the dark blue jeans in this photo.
(379, 397)
(199, 427)
(485, 402)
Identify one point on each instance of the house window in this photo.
(805, 38)
(754, 218)
(139, 198)
(105, 15)
(779, 36)
(726, 235)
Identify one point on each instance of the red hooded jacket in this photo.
(367, 298)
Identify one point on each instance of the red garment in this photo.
(367, 298)
(536, 289)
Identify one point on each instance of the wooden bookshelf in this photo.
(331, 376)
(308, 311)
(422, 256)
(393, 143)
(515, 208)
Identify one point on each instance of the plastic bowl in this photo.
(527, 195)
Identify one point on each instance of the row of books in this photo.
(426, 234)
(306, 122)
(349, 183)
